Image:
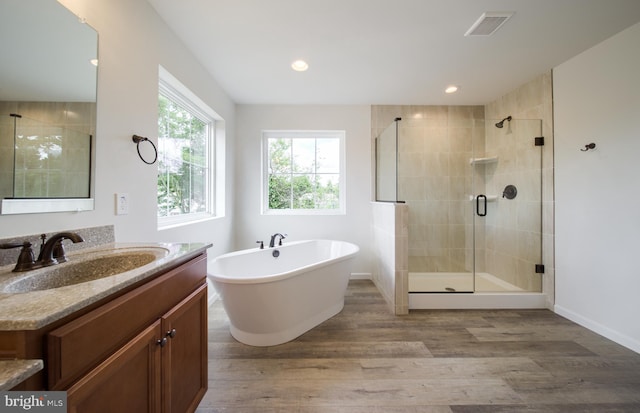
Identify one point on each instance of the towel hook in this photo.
(588, 146)
(137, 139)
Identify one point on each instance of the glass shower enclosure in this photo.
(474, 193)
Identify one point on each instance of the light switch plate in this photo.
(122, 203)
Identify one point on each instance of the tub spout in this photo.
(275, 236)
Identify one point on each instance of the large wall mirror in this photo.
(48, 76)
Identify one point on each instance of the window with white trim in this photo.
(186, 153)
(303, 172)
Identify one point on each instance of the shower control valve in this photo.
(510, 192)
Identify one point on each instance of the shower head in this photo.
(501, 123)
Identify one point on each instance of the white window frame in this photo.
(169, 86)
(304, 134)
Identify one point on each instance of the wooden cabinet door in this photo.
(184, 358)
(127, 382)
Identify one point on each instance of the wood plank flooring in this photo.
(366, 360)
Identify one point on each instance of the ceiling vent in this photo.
(488, 23)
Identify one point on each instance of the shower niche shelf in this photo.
(483, 161)
(490, 198)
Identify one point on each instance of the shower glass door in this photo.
(435, 180)
(508, 208)
(474, 193)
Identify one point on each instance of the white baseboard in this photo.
(596, 327)
(360, 276)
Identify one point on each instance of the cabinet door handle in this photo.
(171, 333)
(162, 342)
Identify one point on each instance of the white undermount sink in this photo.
(82, 268)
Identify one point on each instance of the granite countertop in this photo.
(13, 372)
(35, 309)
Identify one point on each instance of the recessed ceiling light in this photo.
(299, 65)
(451, 89)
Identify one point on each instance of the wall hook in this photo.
(137, 140)
(588, 146)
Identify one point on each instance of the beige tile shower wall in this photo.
(434, 179)
(53, 180)
(79, 116)
(390, 249)
(534, 100)
(6, 156)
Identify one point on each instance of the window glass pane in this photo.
(183, 161)
(304, 155)
(279, 191)
(328, 187)
(198, 190)
(328, 155)
(279, 155)
(304, 196)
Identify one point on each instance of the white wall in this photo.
(133, 41)
(597, 99)
(251, 225)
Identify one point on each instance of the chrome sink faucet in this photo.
(51, 251)
(272, 243)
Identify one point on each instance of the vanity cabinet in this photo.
(139, 350)
(145, 351)
(160, 370)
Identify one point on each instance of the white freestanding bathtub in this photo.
(271, 300)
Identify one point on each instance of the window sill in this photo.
(317, 212)
(176, 222)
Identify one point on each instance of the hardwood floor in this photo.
(366, 360)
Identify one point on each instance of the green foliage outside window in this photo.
(182, 161)
(303, 173)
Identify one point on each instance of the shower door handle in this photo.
(484, 209)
